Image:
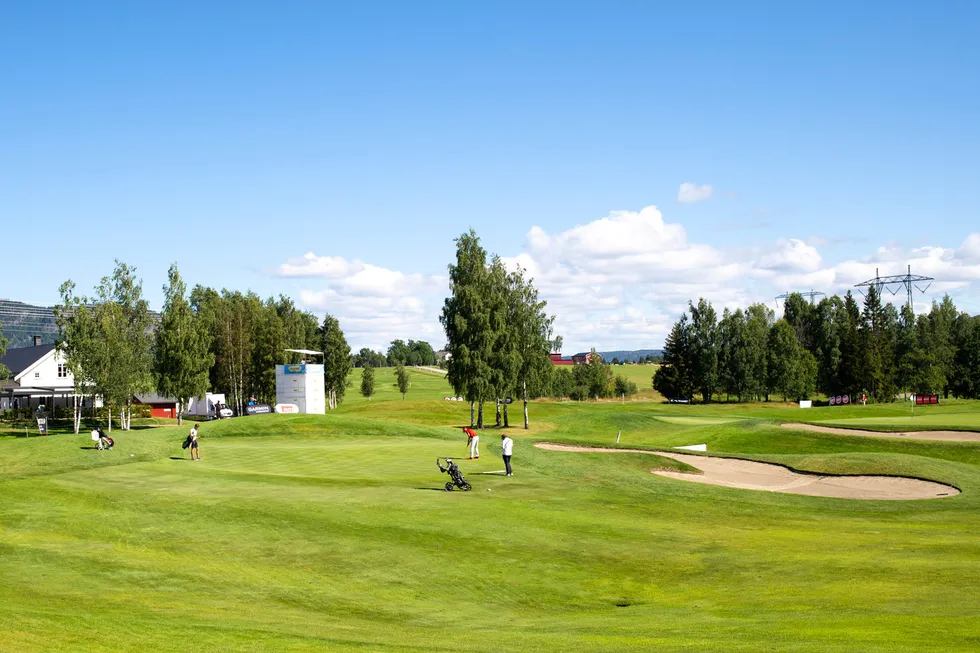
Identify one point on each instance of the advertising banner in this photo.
(298, 368)
(258, 409)
(840, 400)
(924, 400)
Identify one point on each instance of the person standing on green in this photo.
(195, 449)
(508, 449)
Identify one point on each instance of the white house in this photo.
(38, 375)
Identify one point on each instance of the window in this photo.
(62, 371)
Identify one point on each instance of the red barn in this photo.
(577, 359)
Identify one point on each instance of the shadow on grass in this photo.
(434, 489)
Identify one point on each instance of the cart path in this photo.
(751, 475)
(948, 436)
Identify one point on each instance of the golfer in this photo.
(194, 447)
(474, 442)
(508, 447)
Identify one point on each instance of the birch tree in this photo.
(182, 357)
(337, 361)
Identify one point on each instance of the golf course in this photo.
(335, 532)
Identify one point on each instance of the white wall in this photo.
(44, 374)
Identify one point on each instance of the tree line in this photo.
(412, 353)
(226, 341)
(834, 347)
(499, 335)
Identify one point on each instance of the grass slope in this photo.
(307, 533)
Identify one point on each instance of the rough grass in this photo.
(303, 533)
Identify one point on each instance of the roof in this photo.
(18, 360)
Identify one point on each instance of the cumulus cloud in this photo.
(619, 281)
(688, 193)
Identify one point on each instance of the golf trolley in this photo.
(452, 469)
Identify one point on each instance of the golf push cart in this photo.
(452, 469)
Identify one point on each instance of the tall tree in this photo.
(531, 336)
(825, 335)
(961, 336)
(704, 348)
(466, 320)
(798, 313)
(759, 319)
(401, 379)
(337, 361)
(181, 356)
(125, 319)
(269, 336)
(733, 354)
(77, 345)
(876, 348)
(939, 344)
(906, 350)
(398, 352)
(674, 379)
(850, 372)
(792, 369)
(367, 382)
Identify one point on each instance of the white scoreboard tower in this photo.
(302, 385)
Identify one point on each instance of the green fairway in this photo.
(314, 533)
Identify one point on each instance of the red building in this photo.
(159, 406)
(577, 359)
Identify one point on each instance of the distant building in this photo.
(159, 406)
(577, 359)
(38, 375)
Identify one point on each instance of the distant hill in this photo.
(21, 322)
(634, 355)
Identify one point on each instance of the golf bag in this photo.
(452, 469)
(105, 442)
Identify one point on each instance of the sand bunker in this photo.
(750, 475)
(949, 436)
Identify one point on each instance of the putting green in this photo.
(700, 421)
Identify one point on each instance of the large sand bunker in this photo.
(750, 475)
(949, 436)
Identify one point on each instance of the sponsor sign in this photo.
(840, 400)
(806, 403)
(679, 401)
(298, 368)
(286, 408)
(258, 409)
(924, 400)
(42, 425)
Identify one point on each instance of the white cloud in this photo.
(688, 193)
(619, 281)
(790, 255)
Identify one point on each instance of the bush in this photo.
(579, 393)
(623, 386)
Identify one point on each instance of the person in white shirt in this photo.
(195, 449)
(508, 447)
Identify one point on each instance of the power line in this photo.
(907, 281)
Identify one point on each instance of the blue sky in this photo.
(820, 141)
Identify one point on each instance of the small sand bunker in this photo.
(750, 475)
(949, 436)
